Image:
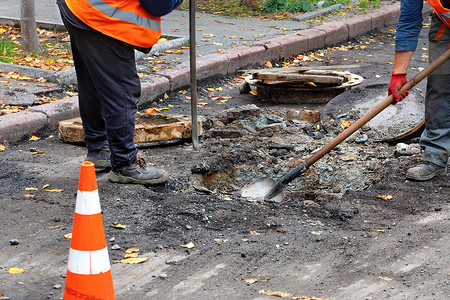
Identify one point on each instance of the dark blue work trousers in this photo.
(108, 92)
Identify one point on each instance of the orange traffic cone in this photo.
(88, 271)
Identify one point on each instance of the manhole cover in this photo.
(311, 86)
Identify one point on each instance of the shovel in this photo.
(268, 189)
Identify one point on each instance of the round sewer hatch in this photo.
(312, 86)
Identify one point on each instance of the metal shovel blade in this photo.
(259, 189)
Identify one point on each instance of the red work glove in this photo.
(397, 81)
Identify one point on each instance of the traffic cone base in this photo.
(88, 286)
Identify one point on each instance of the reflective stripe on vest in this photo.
(128, 16)
(442, 12)
(126, 21)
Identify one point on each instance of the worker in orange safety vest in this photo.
(435, 139)
(104, 35)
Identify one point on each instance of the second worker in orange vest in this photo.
(435, 139)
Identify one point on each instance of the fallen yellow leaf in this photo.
(220, 240)
(30, 189)
(28, 196)
(25, 78)
(252, 232)
(345, 124)
(307, 298)
(254, 93)
(268, 64)
(38, 152)
(188, 245)
(118, 226)
(35, 138)
(131, 255)
(132, 250)
(67, 236)
(385, 197)
(55, 190)
(16, 270)
(2, 148)
(276, 293)
(45, 186)
(132, 261)
(385, 278)
(152, 110)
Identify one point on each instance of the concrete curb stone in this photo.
(391, 14)
(336, 32)
(178, 77)
(316, 38)
(377, 18)
(244, 56)
(26, 71)
(358, 25)
(285, 46)
(58, 110)
(21, 125)
(212, 65)
(153, 88)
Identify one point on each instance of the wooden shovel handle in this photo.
(377, 109)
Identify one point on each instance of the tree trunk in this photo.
(28, 30)
(247, 3)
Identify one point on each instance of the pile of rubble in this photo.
(248, 142)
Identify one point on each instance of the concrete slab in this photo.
(149, 128)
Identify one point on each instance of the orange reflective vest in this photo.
(124, 20)
(442, 12)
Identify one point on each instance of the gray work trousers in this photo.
(435, 139)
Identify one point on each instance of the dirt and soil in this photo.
(351, 227)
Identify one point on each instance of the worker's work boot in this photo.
(100, 158)
(138, 172)
(425, 171)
